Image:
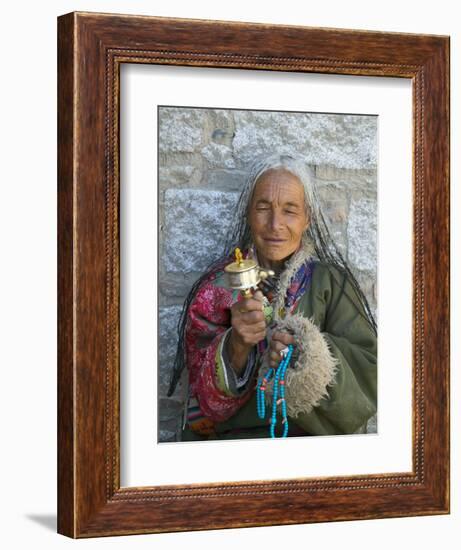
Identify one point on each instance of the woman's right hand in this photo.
(248, 328)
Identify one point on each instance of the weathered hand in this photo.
(279, 341)
(248, 324)
(248, 328)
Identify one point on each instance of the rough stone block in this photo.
(196, 224)
(175, 175)
(218, 156)
(372, 425)
(346, 141)
(175, 286)
(165, 436)
(167, 343)
(226, 180)
(362, 231)
(334, 201)
(169, 409)
(367, 282)
(221, 126)
(180, 130)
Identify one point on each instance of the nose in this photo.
(276, 220)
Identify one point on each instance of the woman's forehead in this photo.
(279, 184)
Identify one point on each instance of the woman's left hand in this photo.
(279, 341)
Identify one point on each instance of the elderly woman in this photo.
(312, 308)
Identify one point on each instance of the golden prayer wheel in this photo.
(246, 274)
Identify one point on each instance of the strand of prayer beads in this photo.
(278, 390)
(260, 393)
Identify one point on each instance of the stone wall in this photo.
(204, 157)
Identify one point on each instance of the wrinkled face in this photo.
(277, 215)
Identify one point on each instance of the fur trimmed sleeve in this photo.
(313, 368)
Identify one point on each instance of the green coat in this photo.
(341, 345)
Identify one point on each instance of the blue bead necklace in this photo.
(278, 389)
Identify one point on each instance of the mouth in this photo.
(274, 241)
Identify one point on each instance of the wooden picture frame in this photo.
(91, 48)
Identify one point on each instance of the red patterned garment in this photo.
(208, 320)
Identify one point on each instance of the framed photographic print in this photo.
(197, 211)
(253, 275)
